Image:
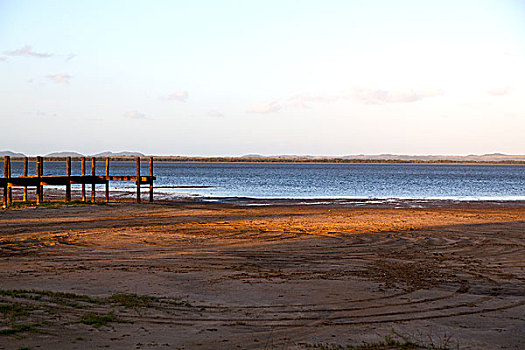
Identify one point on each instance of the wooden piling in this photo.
(25, 174)
(93, 164)
(138, 179)
(68, 185)
(83, 166)
(9, 188)
(151, 182)
(5, 175)
(40, 173)
(38, 185)
(107, 181)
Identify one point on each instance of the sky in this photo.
(228, 78)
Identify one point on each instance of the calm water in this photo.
(322, 180)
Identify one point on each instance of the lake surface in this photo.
(302, 181)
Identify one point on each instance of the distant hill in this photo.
(11, 154)
(252, 156)
(118, 154)
(493, 157)
(64, 154)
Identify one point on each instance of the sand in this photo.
(220, 276)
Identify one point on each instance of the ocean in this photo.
(317, 181)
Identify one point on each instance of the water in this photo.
(301, 181)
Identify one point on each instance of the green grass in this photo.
(72, 299)
(67, 299)
(98, 320)
(389, 344)
(13, 311)
(131, 300)
(19, 328)
(50, 204)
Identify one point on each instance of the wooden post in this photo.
(138, 179)
(25, 174)
(8, 176)
(151, 180)
(39, 173)
(107, 179)
(5, 175)
(83, 165)
(38, 185)
(68, 185)
(93, 162)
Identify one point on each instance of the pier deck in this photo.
(40, 180)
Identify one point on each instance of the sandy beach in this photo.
(190, 275)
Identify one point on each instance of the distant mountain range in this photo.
(64, 154)
(492, 157)
(76, 154)
(118, 154)
(11, 154)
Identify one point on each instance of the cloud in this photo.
(70, 57)
(499, 91)
(27, 51)
(45, 114)
(215, 114)
(296, 101)
(59, 78)
(3, 58)
(180, 96)
(378, 96)
(265, 107)
(369, 96)
(135, 115)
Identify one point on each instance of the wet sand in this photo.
(211, 275)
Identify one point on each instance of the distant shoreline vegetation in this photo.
(335, 160)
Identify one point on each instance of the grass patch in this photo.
(49, 204)
(19, 328)
(67, 299)
(97, 320)
(388, 344)
(135, 301)
(131, 300)
(79, 301)
(14, 311)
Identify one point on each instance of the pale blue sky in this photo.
(269, 77)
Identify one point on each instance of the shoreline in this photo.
(125, 195)
(332, 161)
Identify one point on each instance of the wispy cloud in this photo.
(27, 51)
(3, 58)
(265, 107)
(368, 96)
(499, 91)
(45, 114)
(180, 96)
(62, 78)
(295, 101)
(135, 115)
(378, 96)
(215, 114)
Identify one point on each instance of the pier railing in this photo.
(39, 180)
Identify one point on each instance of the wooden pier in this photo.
(39, 180)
